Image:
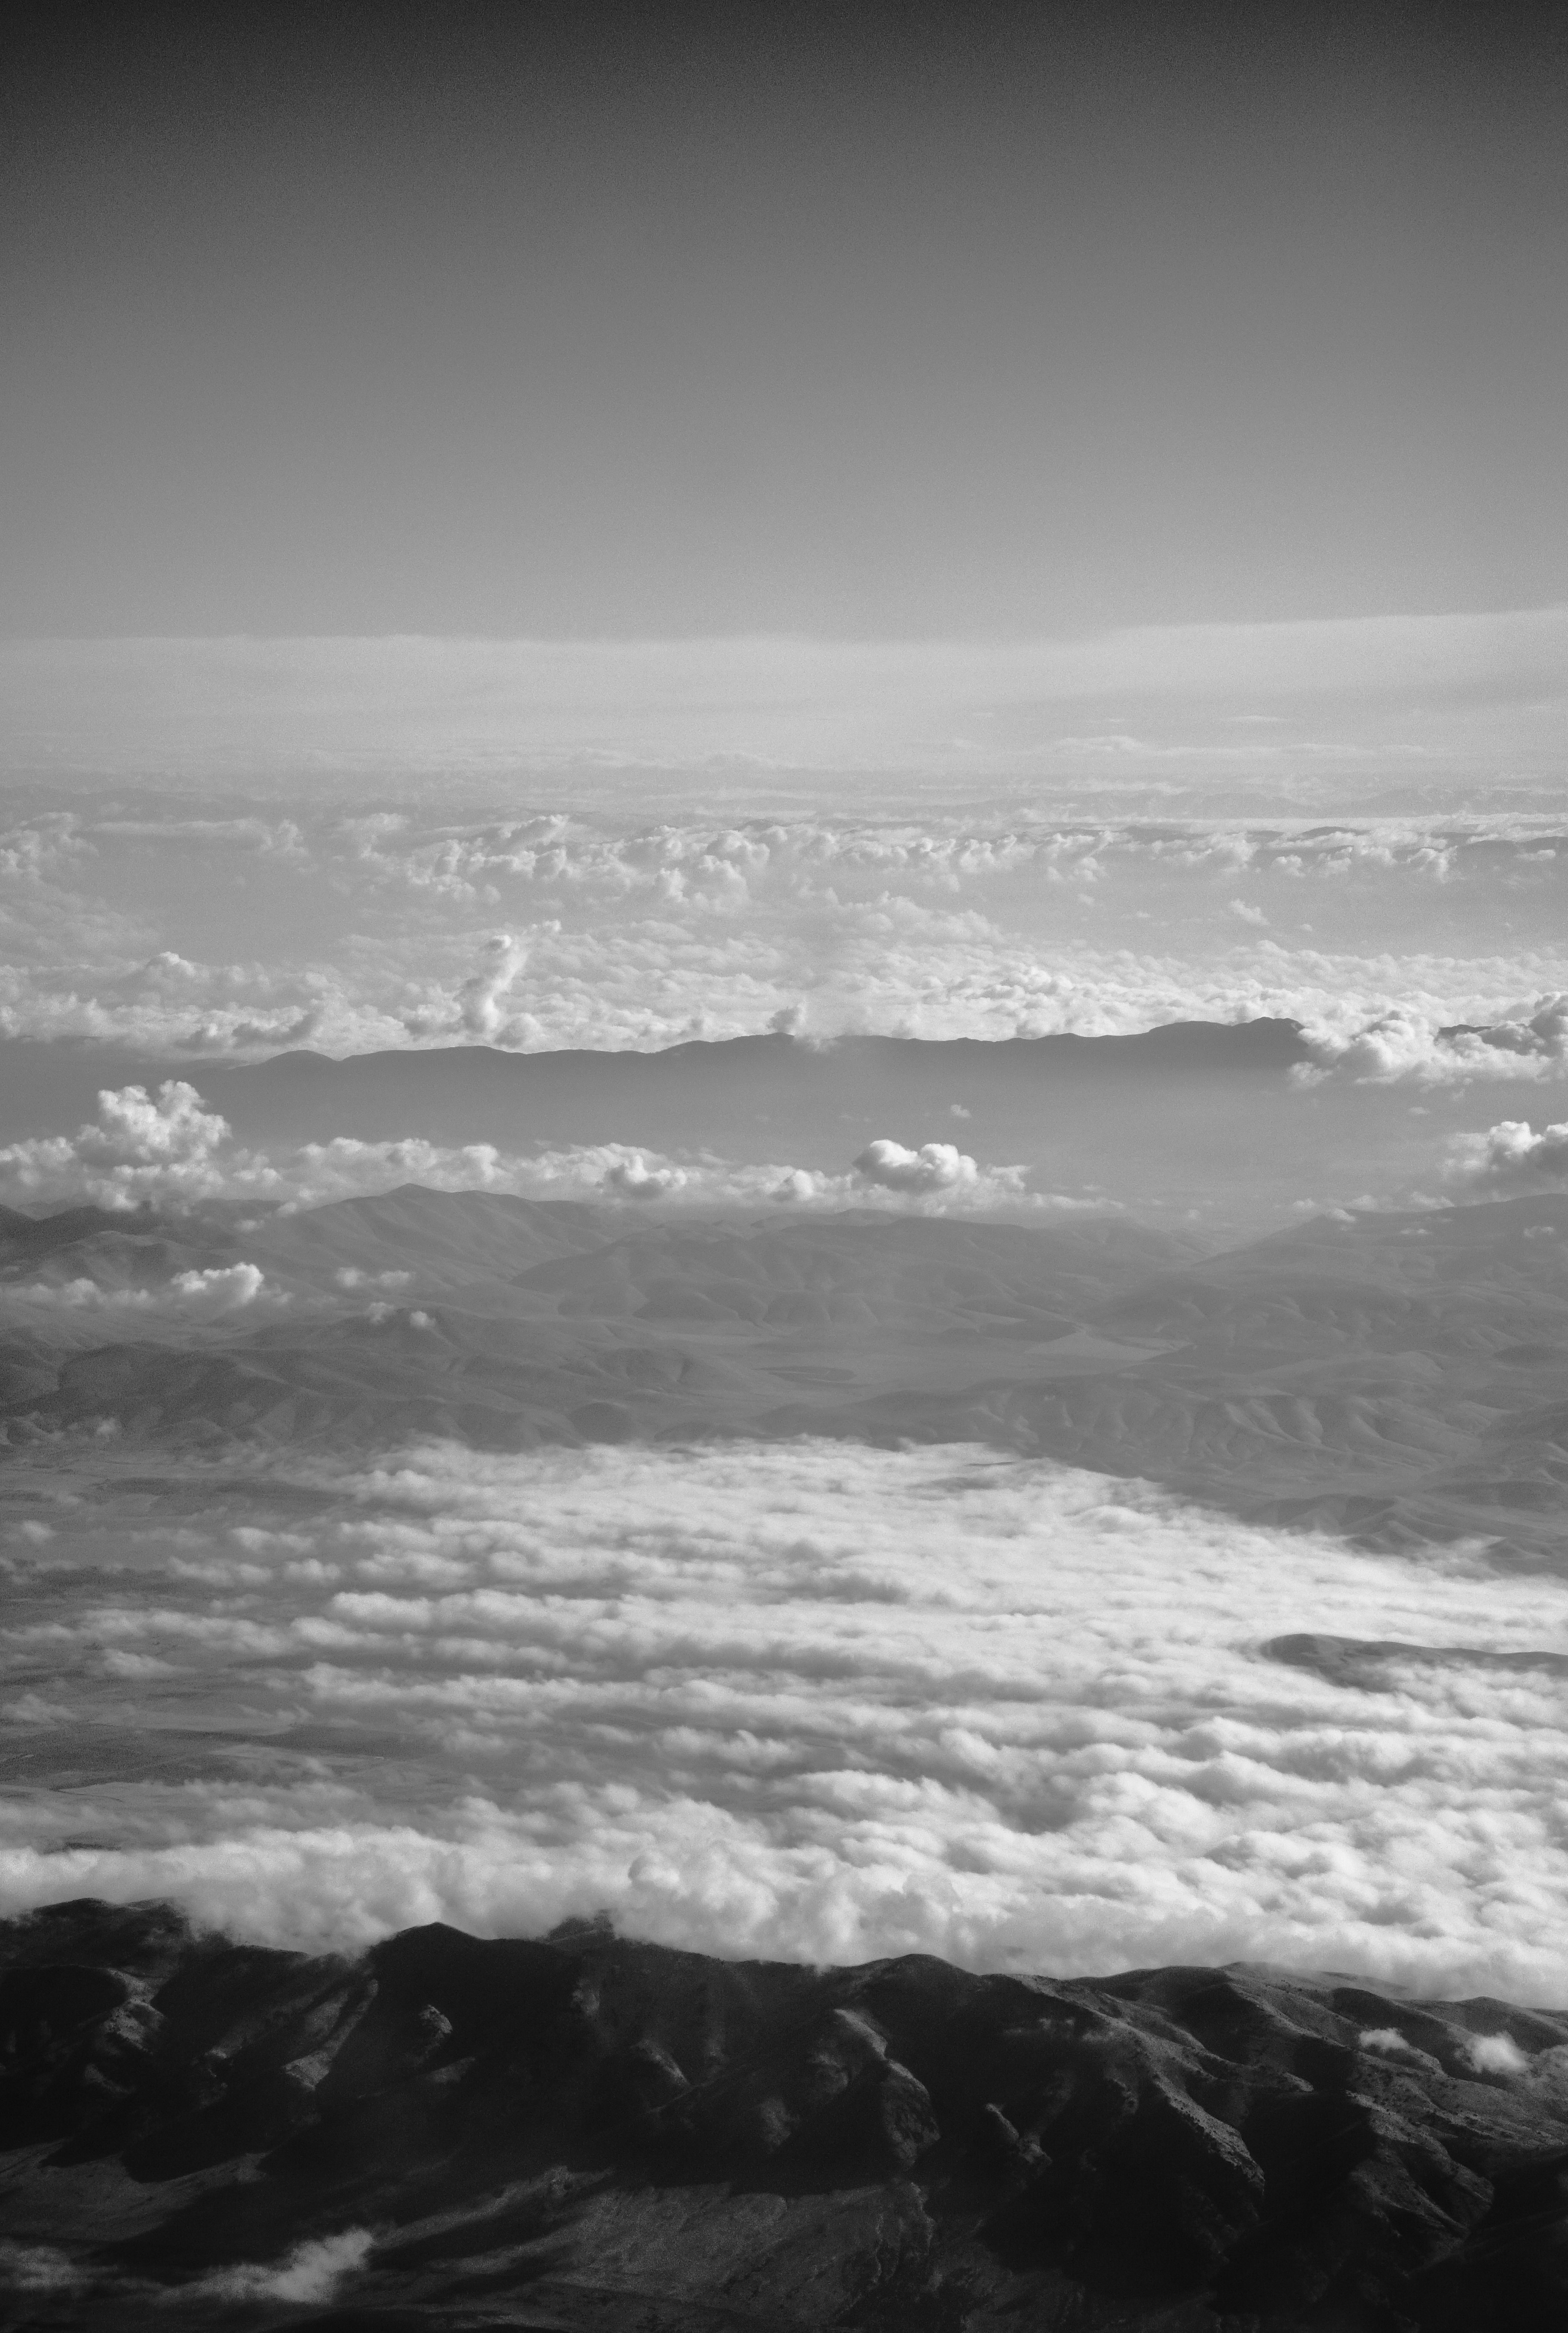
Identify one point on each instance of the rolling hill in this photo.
(1392, 1374)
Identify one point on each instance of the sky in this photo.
(871, 323)
(573, 527)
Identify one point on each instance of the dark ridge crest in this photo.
(590, 2131)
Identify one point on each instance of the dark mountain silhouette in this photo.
(587, 2133)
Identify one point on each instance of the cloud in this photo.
(458, 708)
(1386, 2040)
(1402, 1042)
(633, 1178)
(311, 2272)
(191, 1295)
(349, 927)
(39, 2268)
(142, 1147)
(934, 1167)
(811, 1700)
(1511, 1154)
(171, 1151)
(1497, 2053)
(479, 999)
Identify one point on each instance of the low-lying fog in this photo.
(803, 1699)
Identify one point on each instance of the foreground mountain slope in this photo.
(590, 2133)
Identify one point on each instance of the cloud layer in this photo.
(350, 921)
(798, 1700)
(1215, 711)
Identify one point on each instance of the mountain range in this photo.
(1392, 1374)
(586, 2135)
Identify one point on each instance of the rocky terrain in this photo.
(589, 2133)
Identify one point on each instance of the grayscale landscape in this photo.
(783, 1171)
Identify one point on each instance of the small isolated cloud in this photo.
(934, 1167)
(1386, 2040)
(1497, 2053)
(1511, 1155)
(38, 2268)
(1249, 914)
(311, 2272)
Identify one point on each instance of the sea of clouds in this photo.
(219, 929)
(808, 1701)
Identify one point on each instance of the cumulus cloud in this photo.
(934, 1167)
(1404, 1042)
(1511, 1155)
(142, 1147)
(479, 1000)
(810, 1700)
(633, 1178)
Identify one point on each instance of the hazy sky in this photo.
(850, 321)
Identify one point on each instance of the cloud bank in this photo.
(802, 1700)
(167, 1149)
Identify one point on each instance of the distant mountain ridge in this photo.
(563, 1093)
(34, 1071)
